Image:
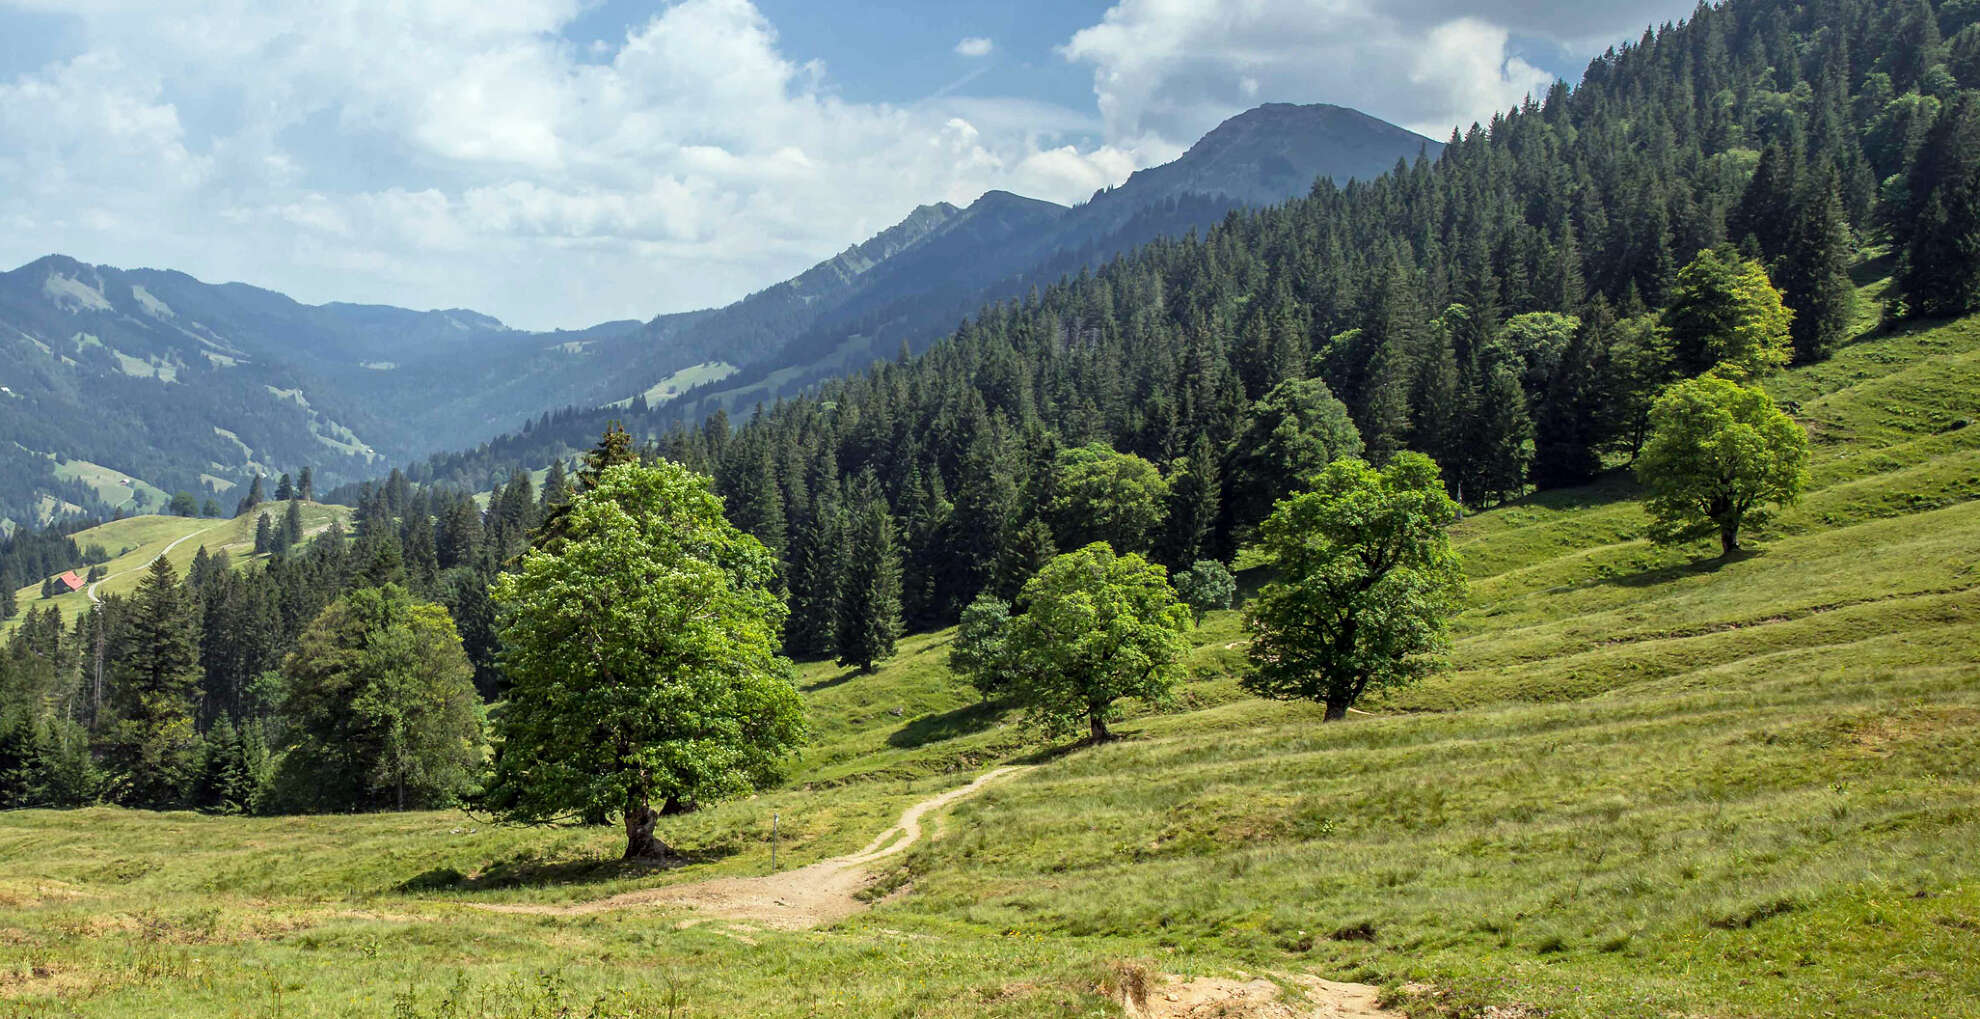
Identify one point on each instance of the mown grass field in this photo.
(134, 542)
(1654, 785)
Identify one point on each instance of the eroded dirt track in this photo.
(812, 896)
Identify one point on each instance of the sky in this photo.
(558, 163)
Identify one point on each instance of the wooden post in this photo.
(773, 843)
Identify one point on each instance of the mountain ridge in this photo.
(273, 382)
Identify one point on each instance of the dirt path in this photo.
(812, 896)
(167, 550)
(1172, 997)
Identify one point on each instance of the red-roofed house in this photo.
(68, 582)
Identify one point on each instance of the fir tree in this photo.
(253, 498)
(1502, 437)
(1814, 272)
(817, 565)
(285, 489)
(292, 525)
(306, 486)
(154, 678)
(870, 598)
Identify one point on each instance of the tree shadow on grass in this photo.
(1046, 755)
(525, 870)
(947, 725)
(1615, 485)
(1694, 568)
(829, 682)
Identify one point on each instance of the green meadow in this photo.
(1654, 784)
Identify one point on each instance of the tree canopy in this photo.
(1096, 627)
(1726, 314)
(1719, 454)
(1103, 495)
(641, 651)
(1206, 585)
(381, 705)
(1367, 584)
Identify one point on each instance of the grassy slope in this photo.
(134, 542)
(1655, 786)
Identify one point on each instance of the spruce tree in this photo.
(555, 488)
(292, 525)
(1030, 548)
(154, 677)
(986, 503)
(253, 498)
(1766, 210)
(870, 598)
(1195, 496)
(1567, 423)
(1815, 272)
(1940, 269)
(817, 566)
(285, 489)
(264, 535)
(1502, 437)
(306, 486)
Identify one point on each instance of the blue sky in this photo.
(561, 162)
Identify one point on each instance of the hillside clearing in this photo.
(134, 542)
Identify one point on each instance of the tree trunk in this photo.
(1728, 540)
(641, 844)
(1096, 724)
(1336, 710)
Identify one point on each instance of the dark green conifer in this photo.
(870, 594)
(1814, 273)
(154, 677)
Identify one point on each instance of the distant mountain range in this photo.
(117, 385)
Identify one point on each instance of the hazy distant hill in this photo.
(116, 384)
(1002, 244)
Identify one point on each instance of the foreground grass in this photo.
(1656, 785)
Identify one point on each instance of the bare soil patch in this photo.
(813, 896)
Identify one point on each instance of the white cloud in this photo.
(480, 159)
(1171, 69)
(463, 153)
(975, 46)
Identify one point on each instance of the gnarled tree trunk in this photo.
(641, 843)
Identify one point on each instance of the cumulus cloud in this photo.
(1171, 69)
(465, 153)
(461, 152)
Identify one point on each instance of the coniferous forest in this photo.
(1511, 310)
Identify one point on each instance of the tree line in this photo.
(1590, 279)
(1511, 310)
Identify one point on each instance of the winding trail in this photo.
(167, 550)
(810, 896)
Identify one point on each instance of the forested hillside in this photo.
(1509, 308)
(119, 386)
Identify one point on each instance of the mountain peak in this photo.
(1274, 152)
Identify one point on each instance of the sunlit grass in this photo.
(1654, 785)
